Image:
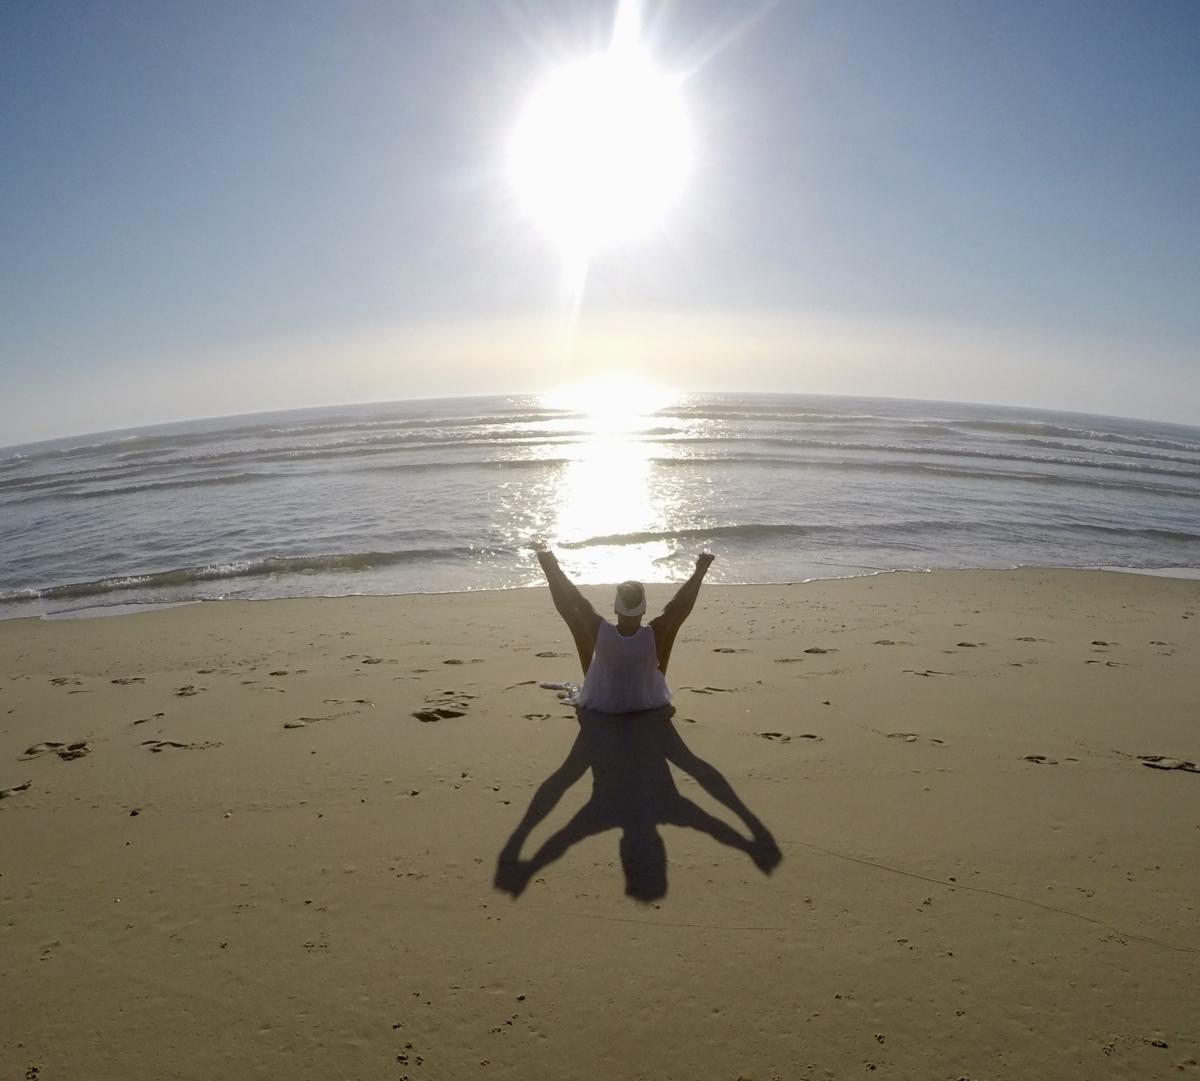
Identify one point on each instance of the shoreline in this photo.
(125, 607)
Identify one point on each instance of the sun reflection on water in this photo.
(610, 489)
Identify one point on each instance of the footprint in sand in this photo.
(155, 746)
(187, 691)
(66, 751)
(707, 690)
(1040, 760)
(452, 704)
(1107, 664)
(523, 683)
(819, 649)
(304, 722)
(783, 737)
(1101, 642)
(62, 681)
(729, 649)
(1030, 638)
(1158, 761)
(14, 789)
(970, 645)
(544, 653)
(438, 713)
(156, 717)
(925, 672)
(537, 716)
(913, 737)
(124, 681)
(788, 660)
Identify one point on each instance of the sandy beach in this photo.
(262, 839)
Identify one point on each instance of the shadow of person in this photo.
(632, 790)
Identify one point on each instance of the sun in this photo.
(602, 148)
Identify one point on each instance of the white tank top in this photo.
(623, 676)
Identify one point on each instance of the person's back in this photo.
(624, 676)
(624, 666)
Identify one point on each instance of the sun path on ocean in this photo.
(602, 147)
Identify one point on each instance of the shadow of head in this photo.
(644, 861)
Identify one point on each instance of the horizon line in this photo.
(531, 393)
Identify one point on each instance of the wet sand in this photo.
(937, 826)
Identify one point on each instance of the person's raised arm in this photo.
(581, 618)
(678, 608)
(572, 605)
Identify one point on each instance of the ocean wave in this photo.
(758, 531)
(869, 465)
(371, 430)
(889, 449)
(772, 413)
(333, 563)
(166, 485)
(1110, 451)
(1102, 435)
(349, 449)
(1174, 536)
(865, 534)
(89, 484)
(484, 420)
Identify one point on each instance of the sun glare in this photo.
(610, 485)
(602, 148)
(611, 404)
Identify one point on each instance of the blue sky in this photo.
(218, 208)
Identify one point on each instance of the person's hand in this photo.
(703, 560)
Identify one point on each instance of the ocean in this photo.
(432, 496)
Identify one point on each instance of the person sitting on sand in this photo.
(624, 665)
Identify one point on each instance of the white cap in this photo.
(623, 609)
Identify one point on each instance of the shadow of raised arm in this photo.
(511, 875)
(762, 847)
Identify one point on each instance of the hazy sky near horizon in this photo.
(221, 208)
